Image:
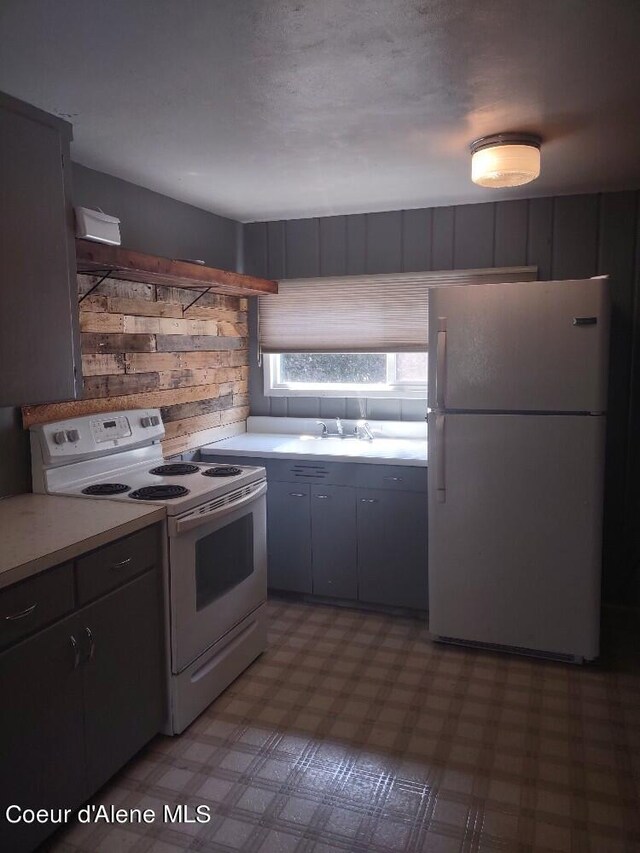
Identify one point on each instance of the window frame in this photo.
(397, 390)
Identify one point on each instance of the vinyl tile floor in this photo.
(354, 732)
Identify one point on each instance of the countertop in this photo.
(41, 531)
(380, 451)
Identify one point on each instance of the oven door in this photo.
(217, 569)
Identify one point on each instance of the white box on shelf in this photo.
(98, 226)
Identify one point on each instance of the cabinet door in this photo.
(41, 719)
(123, 674)
(392, 548)
(289, 537)
(38, 302)
(333, 541)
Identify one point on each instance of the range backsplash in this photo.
(140, 349)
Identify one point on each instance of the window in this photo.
(350, 336)
(347, 374)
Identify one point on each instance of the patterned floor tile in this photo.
(353, 732)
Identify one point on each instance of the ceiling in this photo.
(269, 109)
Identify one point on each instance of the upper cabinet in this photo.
(39, 338)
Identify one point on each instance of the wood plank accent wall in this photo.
(565, 236)
(140, 349)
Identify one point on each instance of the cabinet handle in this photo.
(122, 563)
(92, 644)
(76, 651)
(395, 479)
(297, 494)
(26, 612)
(323, 497)
(368, 500)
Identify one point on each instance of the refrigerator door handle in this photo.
(441, 490)
(441, 361)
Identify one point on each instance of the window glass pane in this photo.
(356, 368)
(223, 560)
(411, 367)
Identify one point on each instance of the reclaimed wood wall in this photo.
(141, 348)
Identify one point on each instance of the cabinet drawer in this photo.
(116, 563)
(35, 603)
(400, 477)
(311, 471)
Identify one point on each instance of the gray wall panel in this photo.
(473, 239)
(575, 236)
(356, 244)
(302, 248)
(276, 250)
(255, 248)
(384, 242)
(416, 240)
(539, 237)
(303, 407)
(333, 245)
(442, 235)
(616, 230)
(511, 233)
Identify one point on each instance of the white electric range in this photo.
(216, 561)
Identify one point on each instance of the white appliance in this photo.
(517, 398)
(216, 562)
(98, 226)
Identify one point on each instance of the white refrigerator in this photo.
(517, 400)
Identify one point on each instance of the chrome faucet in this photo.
(339, 433)
(363, 430)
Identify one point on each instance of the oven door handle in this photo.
(181, 525)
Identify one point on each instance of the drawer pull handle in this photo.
(92, 644)
(395, 479)
(23, 613)
(323, 497)
(76, 651)
(122, 563)
(368, 500)
(297, 494)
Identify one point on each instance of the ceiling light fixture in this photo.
(505, 159)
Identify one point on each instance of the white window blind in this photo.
(365, 313)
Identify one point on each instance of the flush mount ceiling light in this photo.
(505, 159)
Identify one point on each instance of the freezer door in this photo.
(537, 346)
(515, 521)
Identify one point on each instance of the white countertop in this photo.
(41, 531)
(385, 451)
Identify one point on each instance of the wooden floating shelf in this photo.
(115, 262)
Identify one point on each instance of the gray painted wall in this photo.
(565, 236)
(152, 223)
(156, 224)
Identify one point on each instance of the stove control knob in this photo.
(155, 420)
(146, 421)
(73, 435)
(60, 437)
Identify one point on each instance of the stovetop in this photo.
(181, 487)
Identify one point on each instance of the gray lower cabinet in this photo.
(81, 696)
(354, 531)
(289, 537)
(392, 547)
(123, 676)
(41, 721)
(333, 541)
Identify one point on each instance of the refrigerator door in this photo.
(515, 515)
(537, 346)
